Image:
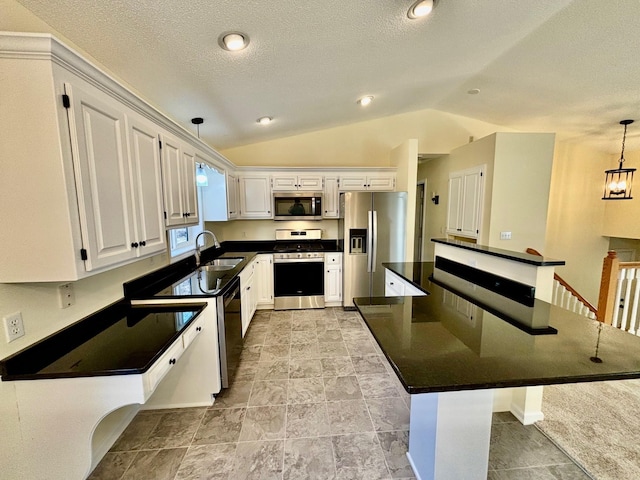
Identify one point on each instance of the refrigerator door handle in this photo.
(369, 240)
(374, 240)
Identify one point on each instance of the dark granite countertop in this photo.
(118, 340)
(462, 337)
(499, 252)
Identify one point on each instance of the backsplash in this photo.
(265, 229)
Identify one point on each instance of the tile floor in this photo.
(313, 398)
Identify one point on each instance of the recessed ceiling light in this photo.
(364, 101)
(473, 91)
(233, 41)
(264, 120)
(421, 8)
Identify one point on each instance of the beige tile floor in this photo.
(313, 398)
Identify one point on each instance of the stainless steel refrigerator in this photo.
(372, 228)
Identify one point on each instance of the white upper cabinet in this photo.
(378, 182)
(98, 134)
(146, 180)
(82, 185)
(466, 189)
(330, 198)
(232, 196)
(255, 196)
(292, 182)
(179, 179)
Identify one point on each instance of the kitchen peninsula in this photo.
(452, 348)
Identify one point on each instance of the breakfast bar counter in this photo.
(453, 347)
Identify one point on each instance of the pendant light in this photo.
(617, 183)
(201, 175)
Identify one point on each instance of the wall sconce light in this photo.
(435, 198)
(617, 182)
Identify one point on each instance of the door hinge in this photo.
(160, 143)
(165, 215)
(481, 174)
(66, 101)
(83, 254)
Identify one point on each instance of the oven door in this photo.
(298, 283)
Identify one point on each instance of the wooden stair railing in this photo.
(584, 307)
(619, 306)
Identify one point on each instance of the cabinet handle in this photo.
(198, 329)
(172, 361)
(390, 283)
(143, 243)
(134, 245)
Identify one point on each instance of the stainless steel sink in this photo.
(221, 264)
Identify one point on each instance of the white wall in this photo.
(574, 226)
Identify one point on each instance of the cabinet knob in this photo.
(172, 361)
(134, 245)
(143, 243)
(198, 329)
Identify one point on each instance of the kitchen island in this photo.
(453, 347)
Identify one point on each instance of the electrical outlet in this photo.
(66, 295)
(13, 326)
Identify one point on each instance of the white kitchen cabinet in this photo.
(333, 279)
(179, 181)
(255, 197)
(465, 202)
(378, 182)
(248, 297)
(292, 182)
(263, 280)
(83, 185)
(396, 286)
(232, 196)
(331, 198)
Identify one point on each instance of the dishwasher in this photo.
(229, 309)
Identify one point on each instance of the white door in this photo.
(146, 184)
(469, 221)
(189, 190)
(172, 173)
(455, 198)
(255, 197)
(98, 135)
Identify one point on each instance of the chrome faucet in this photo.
(215, 244)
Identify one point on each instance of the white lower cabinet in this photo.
(396, 286)
(263, 275)
(333, 279)
(248, 297)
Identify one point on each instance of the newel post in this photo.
(608, 282)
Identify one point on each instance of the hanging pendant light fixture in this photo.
(617, 183)
(201, 175)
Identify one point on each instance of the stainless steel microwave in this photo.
(297, 206)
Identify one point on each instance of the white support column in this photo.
(449, 434)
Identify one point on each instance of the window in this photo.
(182, 241)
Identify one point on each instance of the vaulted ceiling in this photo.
(565, 66)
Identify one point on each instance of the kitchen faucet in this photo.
(215, 244)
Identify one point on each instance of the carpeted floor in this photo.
(598, 425)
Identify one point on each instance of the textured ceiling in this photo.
(566, 66)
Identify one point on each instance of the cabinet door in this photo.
(353, 182)
(284, 183)
(255, 197)
(146, 185)
(264, 279)
(310, 183)
(188, 184)
(333, 277)
(172, 173)
(232, 196)
(330, 198)
(105, 206)
(381, 183)
(470, 208)
(455, 203)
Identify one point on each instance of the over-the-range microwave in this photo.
(297, 206)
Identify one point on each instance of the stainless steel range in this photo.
(298, 270)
